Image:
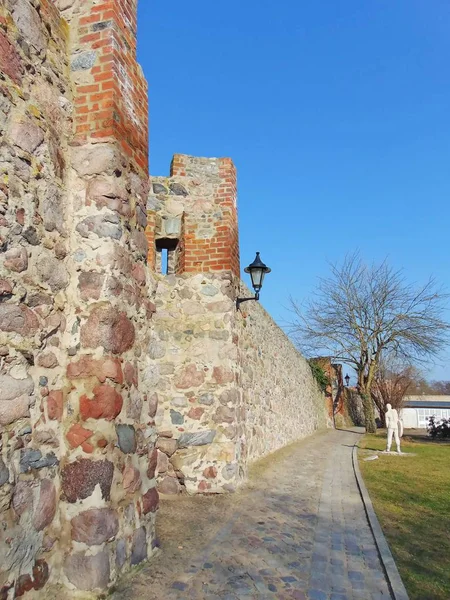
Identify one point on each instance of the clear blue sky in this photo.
(337, 115)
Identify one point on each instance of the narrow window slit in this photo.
(166, 255)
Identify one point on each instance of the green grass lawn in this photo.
(411, 496)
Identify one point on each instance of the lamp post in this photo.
(257, 270)
(347, 379)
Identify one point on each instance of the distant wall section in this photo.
(229, 385)
(281, 401)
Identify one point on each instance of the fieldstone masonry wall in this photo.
(230, 386)
(77, 487)
(281, 400)
(102, 399)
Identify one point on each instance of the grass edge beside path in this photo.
(411, 497)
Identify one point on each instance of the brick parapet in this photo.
(202, 194)
(110, 90)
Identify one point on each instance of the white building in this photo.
(417, 410)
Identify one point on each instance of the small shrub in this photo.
(319, 375)
(439, 430)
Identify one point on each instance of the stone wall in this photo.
(122, 356)
(280, 399)
(230, 386)
(193, 225)
(77, 487)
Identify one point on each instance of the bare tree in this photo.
(422, 386)
(361, 312)
(390, 385)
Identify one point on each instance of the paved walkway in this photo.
(298, 531)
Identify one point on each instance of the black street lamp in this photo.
(257, 270)
(347, 379)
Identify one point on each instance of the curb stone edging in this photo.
(396, 586)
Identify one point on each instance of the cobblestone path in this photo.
(298, 531)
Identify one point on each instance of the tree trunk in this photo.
(369, 414)
(364, 392)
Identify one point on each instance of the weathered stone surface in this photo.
(168, 486)
(53, 210)
(5, 288)
(109, 328)
(47, 360)
(130, 374)
(90, 285)
(152, 375)
(106, 404)
(153, 405)
(33, 459)
(18, 319)
(80, 478)
(134, 407)
(210, 472)
(224, 415)
(158, 188)
(207, 399)
(121, 553)
(229, 471)
(229, 396)
(95, 526)
(176, 417)
(52, 272)
(55, 405)
(83, 61)
(26, 136)
(10, 62)
(77, 435)
(36, 581)
(139, 243)
(150, 501)
(104, 225)
(139, 546)
(131, 479)
(16, 260)
(166, 445)
(4, 473)
(222, 375)
(179, 402)
(28, 23)
(209, 290)
(218, 307)
(23, 497)
(156, 349)
(200, 438)
(104, 368)
(11, 388)
(189, 377)
(111, 195)
(196, 413)
(126, 435)
(45, 510)
(32, 236)
(96, 159)
(178, 189)
(172, 226)
(162, 462)
(46, 436)
(88, 572)
(13, 409)
(152, 463)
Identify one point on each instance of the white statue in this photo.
(394, 426)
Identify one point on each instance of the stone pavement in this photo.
(298, 531)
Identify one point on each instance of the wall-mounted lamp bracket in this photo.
(239, 301)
